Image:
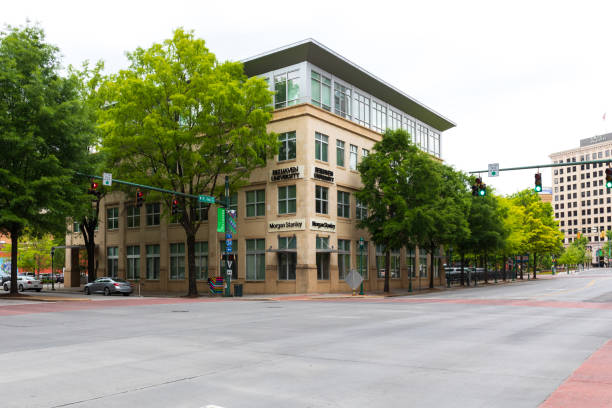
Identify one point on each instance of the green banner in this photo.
(220, 219)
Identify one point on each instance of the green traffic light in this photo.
(538, 189)
(482, 193)
(609, 184)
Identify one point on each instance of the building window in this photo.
(322, 258)
(395, 120)
(362, 259)
(177, 261)
(287, 88)
(287, 149)
(320, 88)
(133, 262)
(394, 262)
(76, 226)
(153, 262)
(344, 258)
(321, 199)
(201, 260)
(255, 259)
(153, 213)
(361, 109)
(286, 200)
(353, 157)
(133, 216)
(112, 218)
(201, 211)
(365, 152)
(256, 203)
(379, 117)
(411, 262)
(340, 153)
(342, 100)
(344, 204)
(361, 210)
(321, 146)
(422, 264)
(112, 258)
(287, 260)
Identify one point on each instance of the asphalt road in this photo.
(511, 345)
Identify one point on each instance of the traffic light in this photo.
(602, 234)
(139, 198)
(478, 188)
(93, 189)
(175, 205)
(538, 182)
(609, 177)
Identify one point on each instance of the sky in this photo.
(521, 79)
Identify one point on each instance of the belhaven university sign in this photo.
(294, 224)
(287, 173)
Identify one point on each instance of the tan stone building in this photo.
(581, 201)
(297, 219)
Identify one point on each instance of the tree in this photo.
(44, 133)
(541, 232)
(178, 119)
(388, 174)
(437, 215)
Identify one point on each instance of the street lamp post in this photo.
(361, 263)
(410, 272)
(52, 276)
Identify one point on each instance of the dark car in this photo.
(59, 279)
(4, 276)
(108, 286)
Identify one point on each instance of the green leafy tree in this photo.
(539, 226)
(179, 120)
(44, 133)
(437, 215)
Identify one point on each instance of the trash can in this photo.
(238, 289)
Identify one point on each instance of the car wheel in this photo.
(38, 290)
(126, 294)
(20, 288)
(87, 291)
(6, 288)
(107, 292)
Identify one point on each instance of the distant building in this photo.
(297, 219)
(581, 201)
(546, 194)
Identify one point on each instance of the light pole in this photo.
(52, 277)
(410, 271)
(361, 263)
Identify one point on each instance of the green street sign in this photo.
(220, 219)
(206, 199)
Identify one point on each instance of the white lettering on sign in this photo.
(229, 264)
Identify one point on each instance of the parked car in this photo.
(24, 283)
(59, 278)
(4, 276)
(108, 286)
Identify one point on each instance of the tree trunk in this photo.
(15, 234)
(191, 267)
(504, 258)
(486, 272)
(431, 266)
(535, 264)
(387, 269)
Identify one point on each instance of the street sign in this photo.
(229, 264)
(229, 272)
(228, 245)
(493, 169)
(206, 199)
(228, 235)
(107, 179)
(353, 279)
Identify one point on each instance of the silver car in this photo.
(108, 286)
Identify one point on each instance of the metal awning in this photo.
(326, 250)
(283, 250)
